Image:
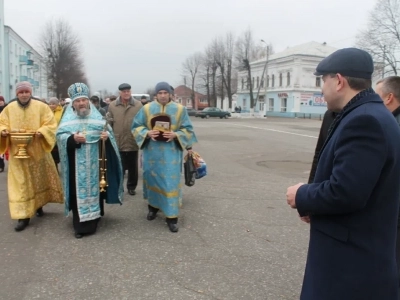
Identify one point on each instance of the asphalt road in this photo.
(238, 238)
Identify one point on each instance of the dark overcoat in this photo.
(353, 205)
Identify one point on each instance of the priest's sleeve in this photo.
(4, 125)
(185, 134)
(139, 128)
(48, 128)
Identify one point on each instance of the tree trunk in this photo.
(208, 86)
(251, 85)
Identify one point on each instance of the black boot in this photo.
(78, 235)
(152, 213)
(172, 224)
(21, 225)
(40, 212)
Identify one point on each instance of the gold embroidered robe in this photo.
(32, 182)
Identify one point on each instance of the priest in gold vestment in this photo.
(33, 181)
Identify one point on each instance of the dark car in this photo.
(191, 111)
(213, 112)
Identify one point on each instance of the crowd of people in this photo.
(351, 200)
(79, 150)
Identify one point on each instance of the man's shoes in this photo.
(21, 225)
(151, 215)
(40, 212)
(132, 192)
(172, 224)
(78, 235)
(173, 227)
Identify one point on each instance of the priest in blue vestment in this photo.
(163, 130)
(80, 137)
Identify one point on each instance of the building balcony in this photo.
(23, 78)
(29, 62)
(31, 81)
(36, 84)
(23, 59)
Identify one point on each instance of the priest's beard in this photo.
(83, 112)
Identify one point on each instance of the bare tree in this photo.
(225, 61)
(61, 50)
(246, 52)
(204, 79)
(382, 36)
(191, 68)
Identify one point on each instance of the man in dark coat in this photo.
(354, 200)
(389, 90)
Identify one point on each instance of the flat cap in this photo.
(350, 62)
(124, 86)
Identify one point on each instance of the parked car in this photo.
(191, 111)
(213, 112)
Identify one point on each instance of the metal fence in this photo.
(309, 116)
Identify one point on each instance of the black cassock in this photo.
(88, 227)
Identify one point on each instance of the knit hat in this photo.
(163, 86)
(78, 90)
(54, 99)
(23, 86)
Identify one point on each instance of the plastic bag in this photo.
(199, 164)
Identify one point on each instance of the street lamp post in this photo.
(262, 79)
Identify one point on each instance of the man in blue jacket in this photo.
(353, 202)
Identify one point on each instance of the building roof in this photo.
(6, 27)
(307, 49)
(183, 90)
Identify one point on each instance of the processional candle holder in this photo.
(21, 138)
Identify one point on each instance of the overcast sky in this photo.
(144, 42)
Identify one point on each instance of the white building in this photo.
(2, 54)
(19, 62)
(289, 85)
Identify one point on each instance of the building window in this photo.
(262, 82)
(252, 83)
(244, 103)
(288, 78)
(280, 79)
(267, 80)
(258, 81)
(318, 81)
(248, 84)
(283, 104)
(273, 80)
(180, 100)
(271, 104)
(261, 103)
(242, 83)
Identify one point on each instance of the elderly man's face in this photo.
(125, 94)
(163, 97)
(24, 96)
(81, 106)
